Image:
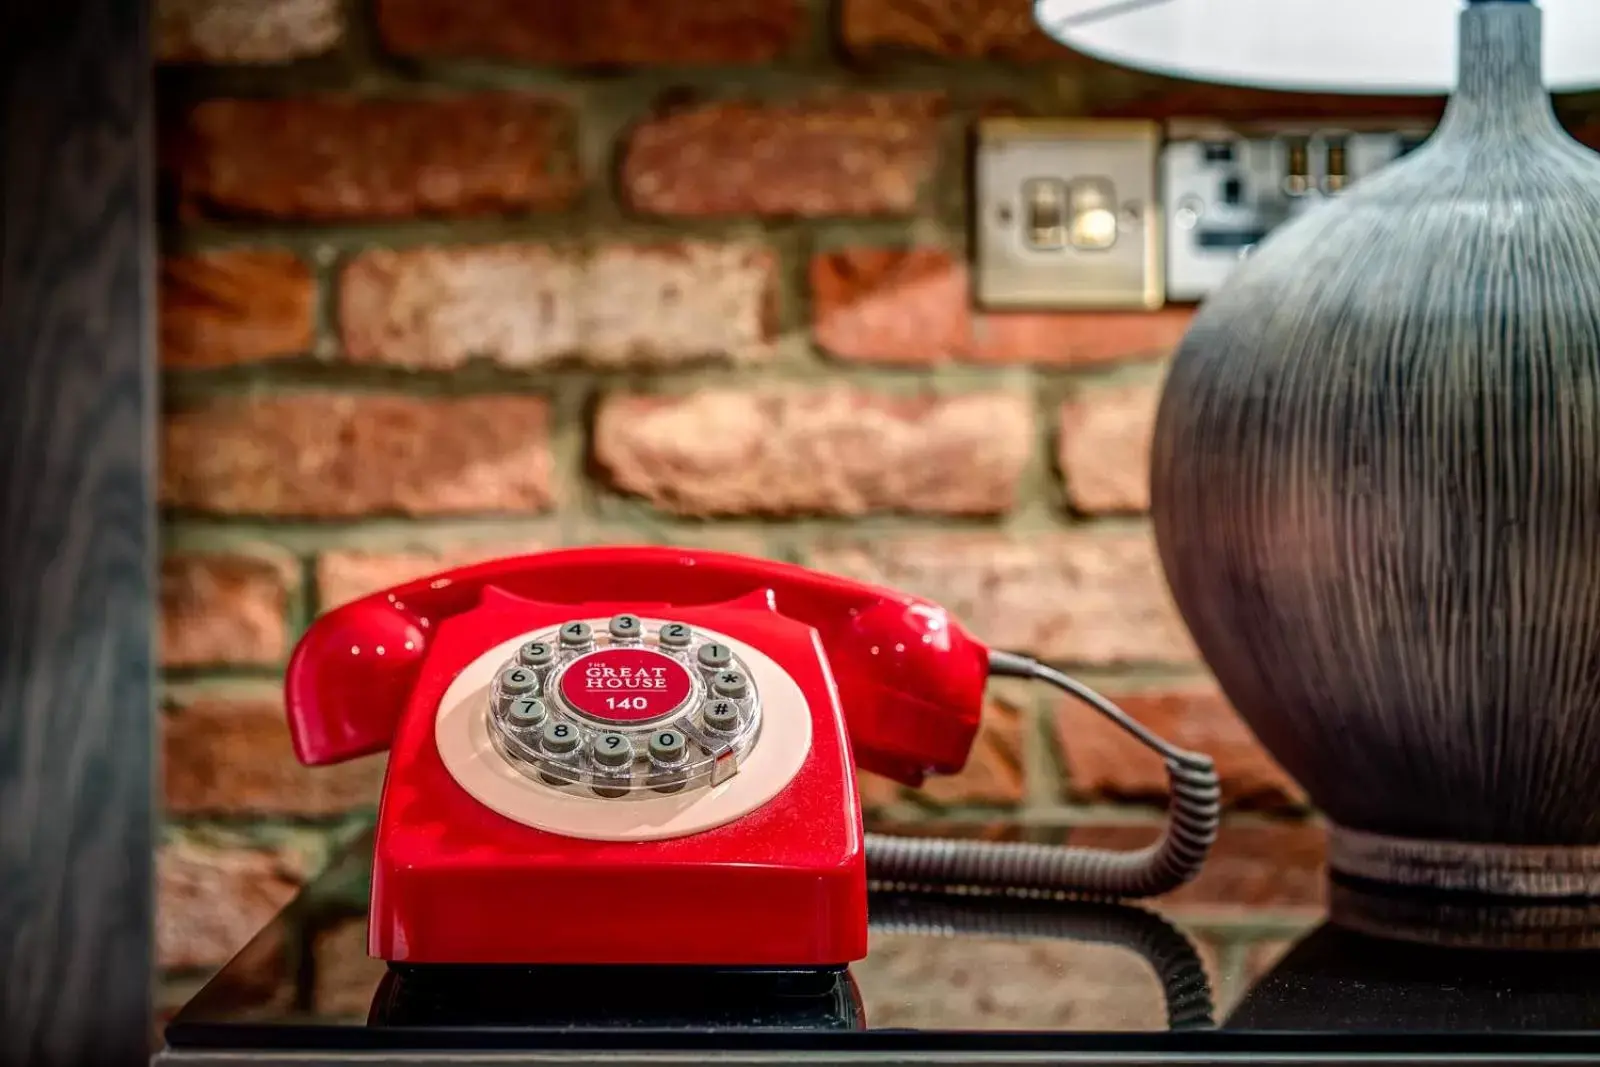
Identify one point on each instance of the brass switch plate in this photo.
(1066, 214)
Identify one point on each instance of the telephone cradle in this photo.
(647, 755)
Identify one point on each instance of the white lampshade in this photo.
(1343, 46)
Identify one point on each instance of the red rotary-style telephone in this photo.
(647, 755)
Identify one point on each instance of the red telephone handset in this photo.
(616, 731)
(910, 679)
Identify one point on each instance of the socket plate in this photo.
(1014, 269)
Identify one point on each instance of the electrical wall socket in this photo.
(1225, 188)
(1066, 214)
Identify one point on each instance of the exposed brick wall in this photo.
(445, 281)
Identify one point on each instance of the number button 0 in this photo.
(613, 750)
(576, 634)
(517, 680)
(666, 746)
(714, 657)
(559, 737)
(675, 635)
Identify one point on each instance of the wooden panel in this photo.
(76, 532)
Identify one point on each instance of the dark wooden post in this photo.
(77, 533)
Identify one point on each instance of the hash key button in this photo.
(722, 716)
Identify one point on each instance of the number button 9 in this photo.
(613, 750)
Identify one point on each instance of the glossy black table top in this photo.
(1381, 978)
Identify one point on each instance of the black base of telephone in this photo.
(622, 997)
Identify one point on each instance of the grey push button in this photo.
(517, 680)
(613, 750)
(536, 654)
(559, 737)
(576, 635)
(722, 716)
(675, 635)
(526, 711)
(666, 746)
(730, 684)
(714, 657)
(625, 627)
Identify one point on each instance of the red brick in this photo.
(595, 32)
(1103, 447)
(212, 898)
(1252, 868)
(1086, 597)
(260, 32)
(338, 456)
(1078, 338)
(528, 306)
(341, 158)
(913, 306)
(950, 29)
(855, 154)
(220, 608)
(831, 450)
(236, 306)
(229, 753)
(1104, 763)
(346, 575)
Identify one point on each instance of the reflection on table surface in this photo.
(1375, 963)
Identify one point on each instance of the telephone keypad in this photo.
(642, 708)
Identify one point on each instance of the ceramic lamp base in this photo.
(1540, 871)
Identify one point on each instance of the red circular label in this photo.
(625, 684)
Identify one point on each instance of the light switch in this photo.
(1066, 214)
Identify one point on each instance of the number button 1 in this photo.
(715, 657)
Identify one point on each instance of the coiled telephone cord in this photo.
(1193, 814)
